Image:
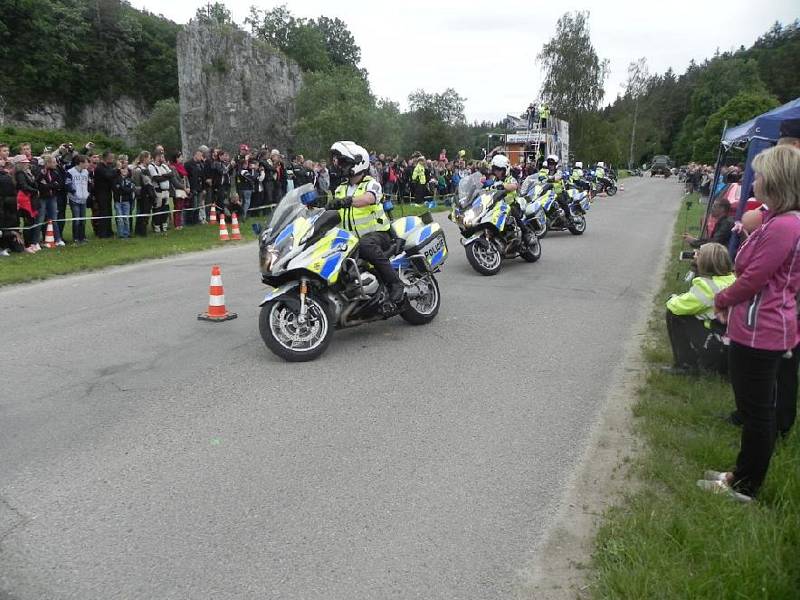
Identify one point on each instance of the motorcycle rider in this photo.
(505, 181)
(600, 175)
(576, 177)
(359, 202)
(549, 173)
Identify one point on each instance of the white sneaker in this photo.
(37, 247)
(60, 243)
(720, 487)
(716, 476)
(30, 250)
(5, 253)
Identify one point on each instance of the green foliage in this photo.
(567, 56)
(675, 111)
(214, 13)
(53, 138)
(162, 127)
(316, 45)
(77, 51)
(742, 107)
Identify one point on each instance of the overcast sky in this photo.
(487, 51)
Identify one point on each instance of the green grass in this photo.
(19, 268)
(671, 540)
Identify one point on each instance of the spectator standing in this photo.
(145, 192)
(160, 175)
(420, 179)
(179, 189)
(323, 179)
(195, 170)
(50, 186)
(124, 193)
(27, 202)
(246, 183)
(78, 186)
(104, 175)
(761, 313)
(9, 215)
(721, 233)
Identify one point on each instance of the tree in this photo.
(573, 73)
(214, 13)
(636, 85)
(339, 42)
(433, 120)
(742, 107)
(163, 127)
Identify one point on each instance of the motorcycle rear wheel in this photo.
(292, 341)
(423, 309)
(484, 257)
(533, 251)
(578, 225)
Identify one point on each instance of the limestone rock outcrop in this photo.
(234, 89)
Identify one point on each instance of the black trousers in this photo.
(786, 392)
(753, 373)
(103, 204)
(373, 247)
(694, 346)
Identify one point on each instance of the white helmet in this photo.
(500, 162)
(578, 165)
(552, 157)
(601, 164)
(350, 157)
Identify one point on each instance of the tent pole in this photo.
(721, 155)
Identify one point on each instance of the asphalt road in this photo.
(145, 454)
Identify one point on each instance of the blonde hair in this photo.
(713, 259)
(779, 168)
(142, 155)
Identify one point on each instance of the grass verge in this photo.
(20, 268)
(668, 539)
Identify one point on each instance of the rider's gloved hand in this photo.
(499, 186)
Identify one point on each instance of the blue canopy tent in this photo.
(756, 135)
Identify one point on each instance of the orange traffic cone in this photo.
(49, 236)
(223, 231)
(212, 215)
(621, 187)
(216, 300)
(235, 235)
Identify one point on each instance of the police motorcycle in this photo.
(603, 183)
(318, 283)
(545, 194)
(489, 232)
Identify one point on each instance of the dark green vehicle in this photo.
(661, 166)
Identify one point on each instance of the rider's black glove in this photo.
(499, 186)
(339, 204)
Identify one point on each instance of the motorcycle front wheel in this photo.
(484, 257)
(578, 225)
(293, 341)
(611, 190)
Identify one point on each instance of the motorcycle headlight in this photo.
(469, 217)
(269, 257)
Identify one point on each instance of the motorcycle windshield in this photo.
(289, 209)
(468, 189)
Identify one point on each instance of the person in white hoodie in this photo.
(78, 187)
(160, 173)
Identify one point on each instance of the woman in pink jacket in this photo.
(760, 310)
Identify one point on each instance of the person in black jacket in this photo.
(197, 175)
(51, 184)
(105, 175)
(26, 184)
(721, 233)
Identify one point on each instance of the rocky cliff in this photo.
(234, 89)
(116, 117)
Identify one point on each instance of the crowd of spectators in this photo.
(742, 319)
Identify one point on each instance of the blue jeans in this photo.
(123, 209)
(247, 195)
(49, 208)
(79, 226)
